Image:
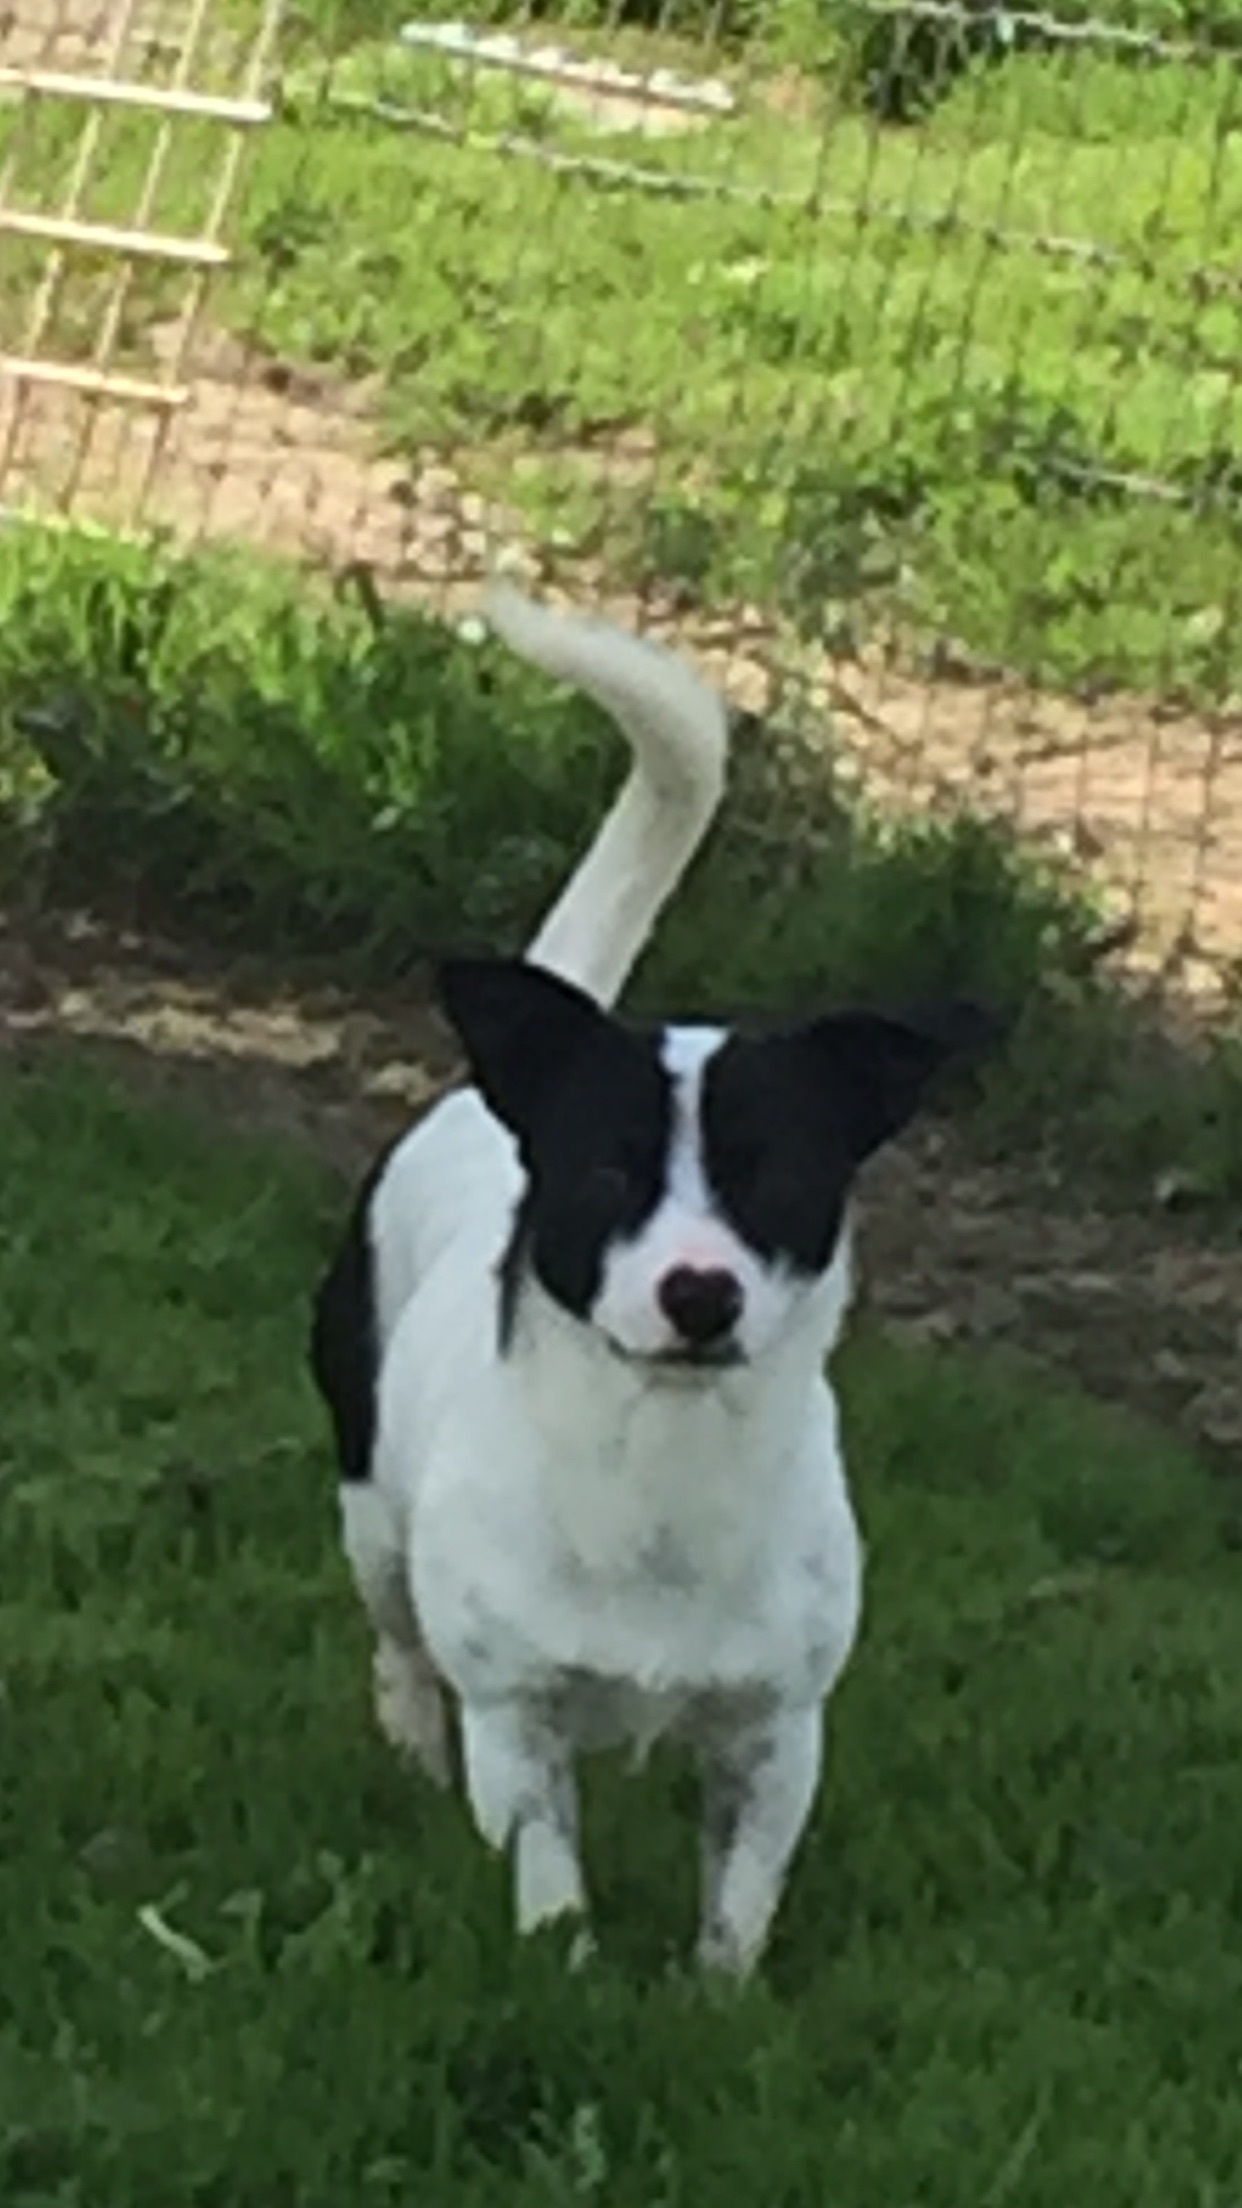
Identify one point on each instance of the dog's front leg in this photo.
(759, 1783)
(519, 1776)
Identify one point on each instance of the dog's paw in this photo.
(410, 1709)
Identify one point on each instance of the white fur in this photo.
(677, 730)
(587, 1548)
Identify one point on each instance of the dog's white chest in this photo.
(616, 1553)
(622, 1603)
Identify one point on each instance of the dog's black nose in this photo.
(702, 1305)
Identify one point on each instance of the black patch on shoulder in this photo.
(511, 1272)
(344, 1342)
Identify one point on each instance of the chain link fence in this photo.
(888, 356)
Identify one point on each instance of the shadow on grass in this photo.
(218, 747)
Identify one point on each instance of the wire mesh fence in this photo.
(887, 354)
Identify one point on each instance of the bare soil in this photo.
(141, 40)
(1135, 1307)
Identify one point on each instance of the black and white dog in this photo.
(573, 1346)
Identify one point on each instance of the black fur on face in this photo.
(788, 1119)
(590, 1107)
(784, 1121)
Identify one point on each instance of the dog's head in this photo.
(685, 1187)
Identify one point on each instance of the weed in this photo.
(211, 734)
(235, 751)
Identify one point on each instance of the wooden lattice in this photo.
(117, 118)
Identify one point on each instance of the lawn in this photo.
(248, 1961)
(942, 382)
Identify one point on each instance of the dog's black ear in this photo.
(882, 1065)
(520, 1027)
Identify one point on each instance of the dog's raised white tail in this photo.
(677, 730)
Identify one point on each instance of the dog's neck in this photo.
(628, 1452)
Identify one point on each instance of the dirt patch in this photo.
(61, 34)
(1146, 800)
(1134, 1307)
(142, 40)
(296, 1057)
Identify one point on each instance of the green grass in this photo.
(886, 425)
(213, 735)
(859, 406)
(1009, 1969)
(213, 744)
